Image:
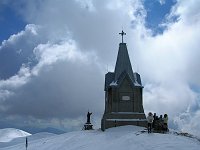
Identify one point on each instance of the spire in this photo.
(123, 63)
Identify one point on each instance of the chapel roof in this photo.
(123, 63)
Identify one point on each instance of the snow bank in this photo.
(8, 134)
(20, 140)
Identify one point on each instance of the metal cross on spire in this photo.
(122, 34)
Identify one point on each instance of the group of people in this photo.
(159, 124)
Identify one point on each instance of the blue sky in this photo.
(157, 13)
(10, 22)
(52, 49)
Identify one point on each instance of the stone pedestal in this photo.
(88, 126)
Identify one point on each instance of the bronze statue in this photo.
(88, 117)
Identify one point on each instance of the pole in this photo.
(26, 143)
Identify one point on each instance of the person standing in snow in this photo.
(150, 121)
(165, 122)
(154, 119)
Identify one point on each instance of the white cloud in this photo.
(162, 2)
(57, 82)
(188, 122)
(86, 4)
(169, 66)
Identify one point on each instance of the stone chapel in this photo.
(123, 94)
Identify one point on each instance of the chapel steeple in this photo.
(123, 64)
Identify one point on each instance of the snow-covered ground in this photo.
(119, 138)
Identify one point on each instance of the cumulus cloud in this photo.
(59, 60)
(171, 76)
(17, 50)
(55, 86)
(162, 2)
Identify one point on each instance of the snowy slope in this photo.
(120, 138)
(8, 134)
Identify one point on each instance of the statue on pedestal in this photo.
(88, 125)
